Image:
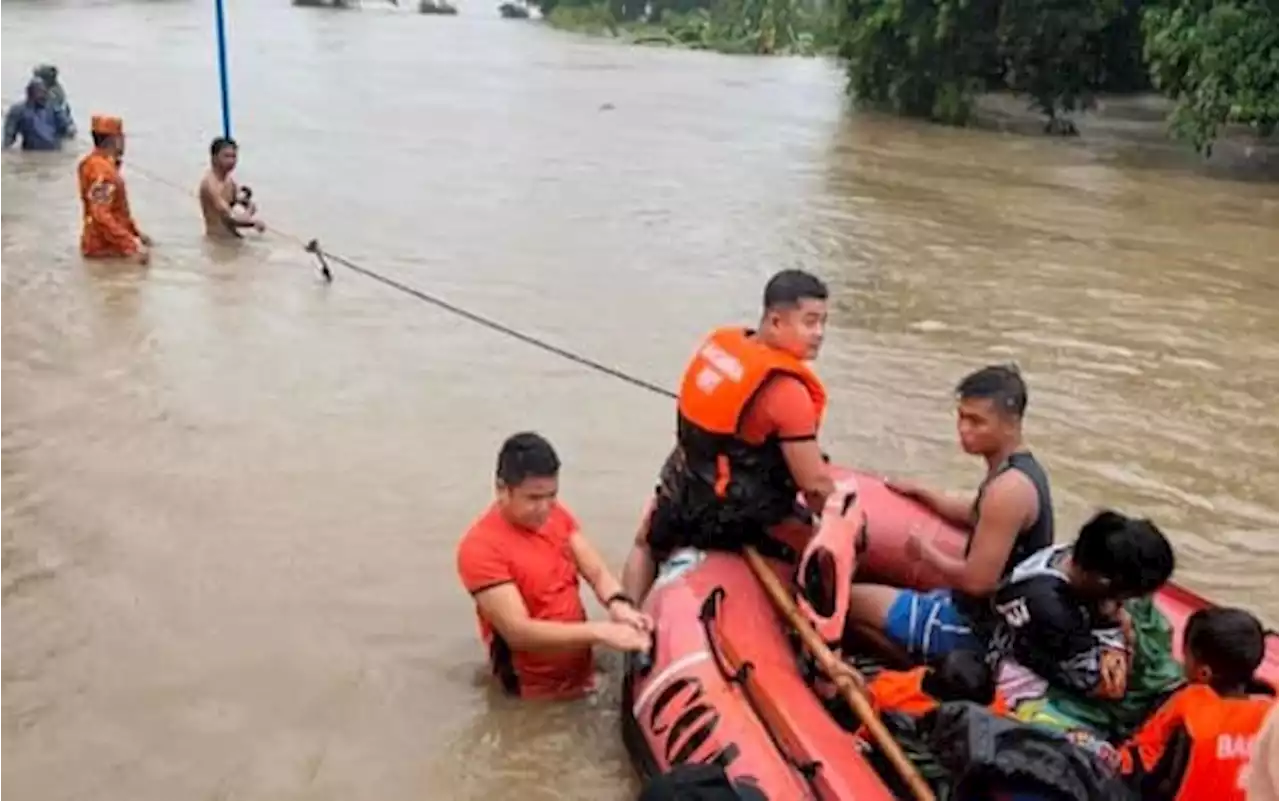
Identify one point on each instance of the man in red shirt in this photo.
(521, 561)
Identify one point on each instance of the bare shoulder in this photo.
(1012, 489)
(208, 185)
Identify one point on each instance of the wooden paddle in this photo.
(847, 679)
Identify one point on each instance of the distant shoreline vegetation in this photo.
(756, 27)
(1216, 60)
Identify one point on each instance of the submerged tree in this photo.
(1217, 59)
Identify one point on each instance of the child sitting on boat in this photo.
(1199, 743)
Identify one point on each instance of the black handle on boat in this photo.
(707, 615)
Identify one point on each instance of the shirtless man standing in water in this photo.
(219, 194)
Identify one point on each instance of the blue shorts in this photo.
(928, 625)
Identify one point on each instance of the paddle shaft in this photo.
(846, 677)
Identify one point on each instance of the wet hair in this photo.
(1001, 384)
(220, 144)
(1230, 642)
(961, 676)
(1130, 554)
(789, 288)
(526, 455)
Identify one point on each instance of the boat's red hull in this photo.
(765, 725)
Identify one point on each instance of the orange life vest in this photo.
(1197, 746)
(726, 489)
(903, 691)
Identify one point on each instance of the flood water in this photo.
(232, 493)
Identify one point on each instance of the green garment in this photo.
(1153, 674)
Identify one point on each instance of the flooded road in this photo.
(232, 493)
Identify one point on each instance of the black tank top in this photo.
(1033, 538)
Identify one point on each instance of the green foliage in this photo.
(588, 18)
(1051, 51)
(920, 58)
(1217, 60)
(930, 58)
(798, 27)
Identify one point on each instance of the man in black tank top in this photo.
(1010, 517)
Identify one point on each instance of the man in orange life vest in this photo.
(108, 229)
(746, 438)
(1199, 743)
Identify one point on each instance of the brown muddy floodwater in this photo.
(232, 493)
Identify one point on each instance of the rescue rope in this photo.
(323, 256)
(313, 247)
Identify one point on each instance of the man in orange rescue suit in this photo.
(746, 439)
(109, 230)
(1198, 745)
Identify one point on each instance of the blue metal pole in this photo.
(220, 19)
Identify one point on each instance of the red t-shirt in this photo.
(540, 564)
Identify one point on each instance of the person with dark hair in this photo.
(521, 561)
(1061, 612)
(1198, 745)
(36, 121)
(1010, 517)
(109, 230)
(220, 197)
(747, 422)
(48, 73)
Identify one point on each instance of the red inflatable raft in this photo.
(725, 685)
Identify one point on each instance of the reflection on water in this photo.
(232, 491)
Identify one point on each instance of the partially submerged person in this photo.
(1061, 613)
(226, 209)
(521, 562)
(1010, 516)
(48, 73)
(35, 121)
(747, 423)
(1199, 744)
(109, 230)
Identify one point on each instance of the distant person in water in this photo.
(35, 121)
(226, 207)
(57, 95)
(109, 229)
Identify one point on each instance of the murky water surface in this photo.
(232, 493)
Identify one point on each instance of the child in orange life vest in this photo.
(960, 676)
(1198, 744)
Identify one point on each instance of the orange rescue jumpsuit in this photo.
(109, 229)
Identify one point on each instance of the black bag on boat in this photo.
(698, 782)
(989, 755)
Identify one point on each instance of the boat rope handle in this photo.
(707, 616)
(766, 712)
